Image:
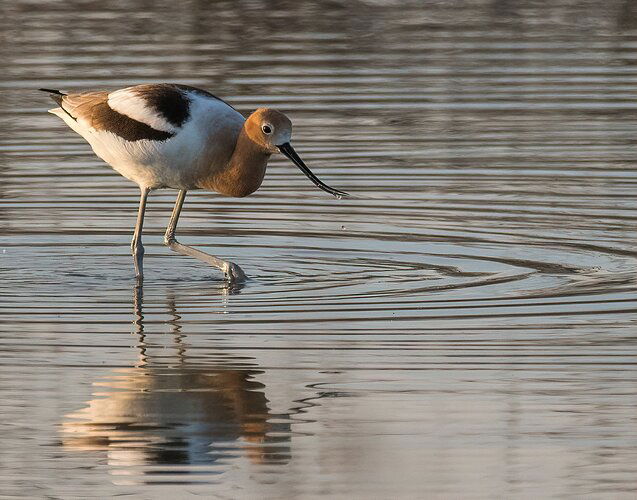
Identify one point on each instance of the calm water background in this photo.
(465, 327)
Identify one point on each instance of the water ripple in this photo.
(464, 322)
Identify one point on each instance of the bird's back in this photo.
(157, 135)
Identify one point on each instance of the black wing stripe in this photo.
(103, 117)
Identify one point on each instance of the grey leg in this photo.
(232, 271)
(136, 246)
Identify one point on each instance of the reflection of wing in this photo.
(177, 416)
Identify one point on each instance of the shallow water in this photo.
(463, 327)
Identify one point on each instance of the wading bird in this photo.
(180, 137)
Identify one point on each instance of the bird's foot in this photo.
(234, 274)
(138, 259)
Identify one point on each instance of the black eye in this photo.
(267, 129)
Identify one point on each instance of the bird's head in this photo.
(272, 131)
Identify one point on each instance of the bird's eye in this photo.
(267, 129)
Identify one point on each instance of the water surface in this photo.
(463, 327)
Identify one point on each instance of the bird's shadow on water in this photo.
(181, 405)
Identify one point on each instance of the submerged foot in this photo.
(234, 274)
(138, 260)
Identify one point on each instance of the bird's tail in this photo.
(56, 95)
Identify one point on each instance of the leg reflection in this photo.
(170, 408)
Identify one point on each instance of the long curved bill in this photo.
(288, 151)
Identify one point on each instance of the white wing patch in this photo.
(129, 103)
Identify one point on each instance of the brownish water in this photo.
(464, 328)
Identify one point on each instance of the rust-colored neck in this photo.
(244, 172)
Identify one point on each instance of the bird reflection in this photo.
(172, 410)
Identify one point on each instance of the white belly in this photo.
(152, 164)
